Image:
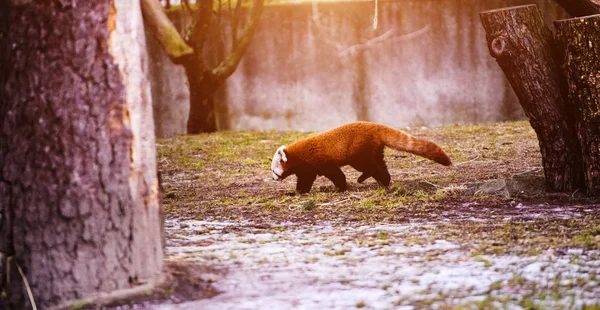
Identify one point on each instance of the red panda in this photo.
(358, 144)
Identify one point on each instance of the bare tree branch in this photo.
(219, 13)
(388, 35)
(202, 21)
(186, 19)
(344, 51)
(220, 51)
(227, 67)
(163, 30)
(376, 15)
(186, 3)
(234, 23)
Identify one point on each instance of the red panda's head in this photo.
(279, 164)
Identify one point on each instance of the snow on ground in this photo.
(373, 267)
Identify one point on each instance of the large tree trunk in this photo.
(524, 49)
(78, 187)
(202, 117)
(203, 81)
(579, 40)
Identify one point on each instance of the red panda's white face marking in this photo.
(276, 166)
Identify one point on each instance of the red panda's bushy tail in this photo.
(403, 142)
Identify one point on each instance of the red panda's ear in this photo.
(283, 156)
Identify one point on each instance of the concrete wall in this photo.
(427, 63)
(170, 93)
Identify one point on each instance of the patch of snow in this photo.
(342, 267)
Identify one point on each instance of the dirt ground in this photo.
(482, 234)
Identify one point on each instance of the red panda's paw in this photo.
(363, 177)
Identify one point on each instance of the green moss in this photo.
(588, 238)
(382, 235)
(517, 280)
(495, 286)
(83, 305)
(484, 304)
(527, 303)
(486, 262)
(308, 205)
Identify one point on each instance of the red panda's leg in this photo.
(366, 173)
(336, 176)
(305, 181)
(381, 174)
(363, 177)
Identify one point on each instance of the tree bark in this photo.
(231, 62)
(202, 117)
(579, 40)
(359, 91)
(524, 48)
(580, 7)
(78, 187)
(204, 81)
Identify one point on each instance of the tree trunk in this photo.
(580, 7)
(202, 116)
(203, 82)
(359, 92)
(523, 47)
(579, 40)
(78, 187)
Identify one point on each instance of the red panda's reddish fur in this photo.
(358, 144)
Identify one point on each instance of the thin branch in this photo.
(353, 49)
(389, 35)
(187, 14)
(27, 287)
(221, 44)
(227, 67)
(186, 3)
(219, 13)
(376, 15)
(163, 30)
(357, 47)
(234, 24)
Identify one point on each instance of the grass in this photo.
(237, 163)
(225, 176)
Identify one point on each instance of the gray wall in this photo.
(426, 64)
(170, 94)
